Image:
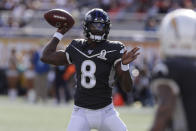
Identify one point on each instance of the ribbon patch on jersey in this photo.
(102, 55)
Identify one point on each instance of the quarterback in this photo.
(94, 58)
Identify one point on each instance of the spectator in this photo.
(164, 6)
(12, 75)
(29, 75)
(3, 83)
(61, 89)
(40, 82)
(151, 24)
(105, 4)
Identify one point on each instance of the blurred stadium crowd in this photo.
(25, 75)
(23, 10)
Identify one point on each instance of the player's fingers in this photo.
(134, 58)
(130, 58)
(125, 52)
(137, 54)
(134, 50)
(64, 26)
(131, 54)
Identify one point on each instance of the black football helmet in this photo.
(96, 25)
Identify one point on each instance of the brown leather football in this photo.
(58, 17)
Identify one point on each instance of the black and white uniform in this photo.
(93, 98)
(180, 74)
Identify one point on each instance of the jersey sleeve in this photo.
(161, 76)
(118, 54)
(68, 53)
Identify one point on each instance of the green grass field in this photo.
(21, 116)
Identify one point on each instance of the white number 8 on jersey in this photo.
(88, 69)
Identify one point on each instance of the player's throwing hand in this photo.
(63, 29)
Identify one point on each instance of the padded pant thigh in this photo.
(77, 123)
(113, 123)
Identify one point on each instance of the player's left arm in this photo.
(123, 74)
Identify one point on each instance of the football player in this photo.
(94, 57)
(174, 79)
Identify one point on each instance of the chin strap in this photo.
(96, 37)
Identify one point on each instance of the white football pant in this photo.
(105, 119)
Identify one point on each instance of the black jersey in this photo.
(180, 73)
(93, 69)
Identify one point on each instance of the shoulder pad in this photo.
(77, 42)
(116, 42)
(117, 45)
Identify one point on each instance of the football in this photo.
(58, 17)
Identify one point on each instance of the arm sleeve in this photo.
(68, 53)
(118, 54)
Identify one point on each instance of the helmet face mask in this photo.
(97, 28)
(96, 25)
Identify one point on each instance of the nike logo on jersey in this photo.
(90, 51)
(100, 55)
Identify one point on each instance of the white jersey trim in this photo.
(68, 58)
(116, 61)
(91, 55)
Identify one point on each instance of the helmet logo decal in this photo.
(88, 17)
